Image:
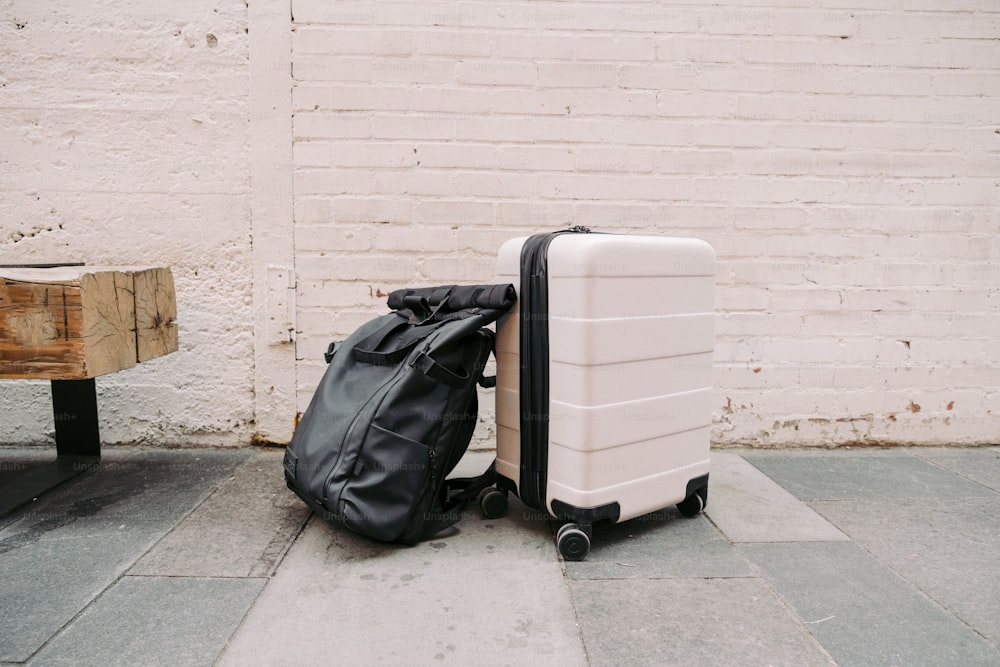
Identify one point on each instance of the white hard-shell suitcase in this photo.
(604, 377)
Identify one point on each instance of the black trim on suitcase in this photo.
(586, 517)
(698, 484)
(534, 380)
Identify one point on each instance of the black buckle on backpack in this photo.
(330, 351)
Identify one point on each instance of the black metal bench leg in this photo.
(78, 446)
(74, 404)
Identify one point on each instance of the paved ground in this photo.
(202, 557)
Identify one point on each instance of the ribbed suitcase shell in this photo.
(630, 327)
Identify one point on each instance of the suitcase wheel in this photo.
(693, 504)
(493, 503)
(573, 542)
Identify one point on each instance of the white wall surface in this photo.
(124, 134)
(841, 156)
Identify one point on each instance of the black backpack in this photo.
(394, 413)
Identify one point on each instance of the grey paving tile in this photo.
(690, 622)
(748, 506)
(947, 548)
(241, 530)
(890, 475)
(59, 553)
(491, 593)
(862, 612)
(980, 465)
(658, 545)
(154, 621)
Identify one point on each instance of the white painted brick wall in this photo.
(842, 157)
(123, 140)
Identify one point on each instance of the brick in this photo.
(412, 70)
(648, 132)
(698, 105)
(535, 158)
(330, 238)
(656, 19)
(804, 298)
(316, 125)
(614, 48)
(332, 182)
(961, 83)
(354, 154)
(592, 102)
(690, 161)
(528, 45)
(456, 155)
(328, 294)
(814, 135)
(524, 102)
(736, 78)
(424, 238)
(496, 73)
(618, 217)
(902, 25)
(496, 128)
(764, 271)
(371, 210)
(680, 76)
(438, 270)
(483, 241)
(736, 135)
(494, 184)
(309, 39)
(747, 298)
(534, 215)
(773, 107)
(738, 20)
(583, 186)
(602, 159)
(332, 68)
(366, 268)
(453, 43)
(775, 51)
(413, 183)
(349, 13)
(794, 78)
(310, 210)
(577, 75)
(391, 126)
(315, 97)
(450, 100)
(894, 81)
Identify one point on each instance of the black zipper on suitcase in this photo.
(534, 372)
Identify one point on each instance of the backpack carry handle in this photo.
(424, 310)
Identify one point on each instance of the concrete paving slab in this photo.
(142, 620)
(947, 548)
(980, 465)
(59, 553)
(862, 612)
(659, 545)
(889, 475)
(690, 622)
(748, 506)
(242, 530)
(490, 593)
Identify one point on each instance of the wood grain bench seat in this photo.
(69, 324)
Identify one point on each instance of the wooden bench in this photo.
(69, 324)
